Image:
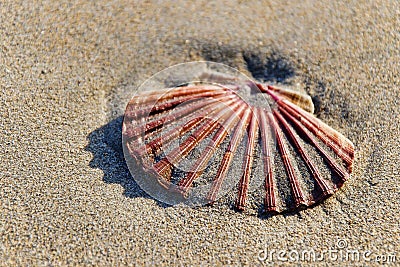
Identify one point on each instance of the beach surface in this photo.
(67, 70)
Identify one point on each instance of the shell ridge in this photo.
(298, 195)
(248, 161)
(269, 200)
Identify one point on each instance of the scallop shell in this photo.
(222, 134)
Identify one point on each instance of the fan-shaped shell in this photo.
(259, 140)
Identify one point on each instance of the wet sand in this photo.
(66, 195)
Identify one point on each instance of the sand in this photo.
(67, 68)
